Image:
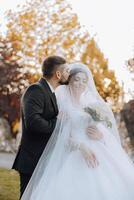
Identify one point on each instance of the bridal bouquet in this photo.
(96, 116)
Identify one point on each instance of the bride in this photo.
(75, 165)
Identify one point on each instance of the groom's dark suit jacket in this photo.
(38, 111)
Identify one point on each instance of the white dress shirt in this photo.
(51, 87)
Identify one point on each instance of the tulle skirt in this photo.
(113, 179)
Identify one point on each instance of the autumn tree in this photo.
(13, 80)
(42, 27)
(130, 64)
(130, 67)
(105, 79)
(128, 109)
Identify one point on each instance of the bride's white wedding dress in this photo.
(113, 179)
(66, 175)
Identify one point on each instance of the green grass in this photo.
(9, 185)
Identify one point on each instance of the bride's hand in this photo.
(94, 133)
(89, 156)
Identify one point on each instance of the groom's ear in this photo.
(58, 74)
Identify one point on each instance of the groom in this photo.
(38, 112)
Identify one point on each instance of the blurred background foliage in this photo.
(35, 32)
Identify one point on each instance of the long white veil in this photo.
(56, 152)
(91, 91)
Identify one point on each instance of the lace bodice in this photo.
(80, 120)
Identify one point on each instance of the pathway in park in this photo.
(6, 160)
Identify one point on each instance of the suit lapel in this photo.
(52, 96)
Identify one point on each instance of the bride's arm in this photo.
(87, 153)
(73, 143)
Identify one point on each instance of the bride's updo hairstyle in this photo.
(75, 71)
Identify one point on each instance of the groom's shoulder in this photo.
(33, 87)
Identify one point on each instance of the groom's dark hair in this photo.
(51, 64)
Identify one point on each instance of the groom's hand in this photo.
(94, 133)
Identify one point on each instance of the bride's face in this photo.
(78, 82)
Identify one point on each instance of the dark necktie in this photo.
(54, 96)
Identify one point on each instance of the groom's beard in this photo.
(63, 82)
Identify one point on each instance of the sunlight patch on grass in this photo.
(9, 185)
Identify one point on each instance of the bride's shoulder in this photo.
(61, 90)
(61, 87)
(61, 94)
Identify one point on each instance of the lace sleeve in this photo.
(73, 144)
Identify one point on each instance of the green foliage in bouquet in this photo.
(96, 116)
